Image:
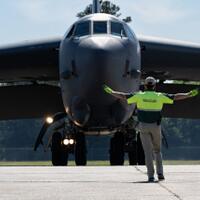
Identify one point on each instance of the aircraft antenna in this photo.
(96, 8)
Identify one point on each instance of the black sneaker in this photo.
(151, 180)
(161, 177)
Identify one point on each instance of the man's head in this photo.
(150, 83)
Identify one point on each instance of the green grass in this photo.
(25, 163)
(92, 163)
(182, 162)
(48, 163)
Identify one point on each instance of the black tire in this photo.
(59, 154)
(140, 152)
(80, 150)
(132, 155)
(117, 149)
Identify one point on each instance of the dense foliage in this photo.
(22, 133)
(17, 138)
(19, 133)
(182, 132)
(106, 7)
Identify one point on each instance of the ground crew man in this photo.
(149, 105)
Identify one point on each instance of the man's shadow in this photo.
(144, 182)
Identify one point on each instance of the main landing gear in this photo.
(129, 143)
(65, 138)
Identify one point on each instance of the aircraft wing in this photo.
(38, 61)
(22, 67)
(173, 60)
(188, 108)
(170, 60)
(30, 61)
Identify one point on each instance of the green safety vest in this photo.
(149, 105)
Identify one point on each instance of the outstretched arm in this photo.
(119, 95)
(182, 96)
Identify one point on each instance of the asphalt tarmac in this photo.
(99, 183)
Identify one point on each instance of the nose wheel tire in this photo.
(80, 150)
(140, 152)
(117, 149)
(132, 155)
(59, 154)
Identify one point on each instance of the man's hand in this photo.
(107, 89)
(194, 92)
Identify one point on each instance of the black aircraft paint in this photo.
(98, 49)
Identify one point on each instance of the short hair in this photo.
(150, 81)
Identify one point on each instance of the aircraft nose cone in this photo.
(100, 44)
(99, 55)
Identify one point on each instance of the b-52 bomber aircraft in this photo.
(63, 78)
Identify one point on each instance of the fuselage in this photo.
(98, 49)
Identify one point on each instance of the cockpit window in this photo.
(82, 29)
(100, 27)
(70, 32)
(117, 29)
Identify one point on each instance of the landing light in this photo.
(68, 141)
(49, 120)
(71, 141)
(65, 141)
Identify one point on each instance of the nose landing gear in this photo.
(59, 153)
(61, 149)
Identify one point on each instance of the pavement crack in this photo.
(161, 185)
(170, 191)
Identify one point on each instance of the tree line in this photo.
(23, 133)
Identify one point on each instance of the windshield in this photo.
(117, 29)
(82, 29)
(70, 33)
(100, 27)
